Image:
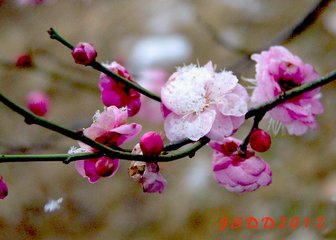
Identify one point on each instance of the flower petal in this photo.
(127, 131)
(221, 128)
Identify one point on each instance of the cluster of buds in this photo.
(145, 173)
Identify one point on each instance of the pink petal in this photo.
(238, 175)
(193, 126)
(222, 127)
(296, 128)
(221, 84)
(90, 170)
(232, 105)
(110, 98)
(127, 131)
(93, 132)
(220, 163)
(222, 178)
(281, 114)
(296, 111)
(264, 179)
(79, 165)
(253, 166)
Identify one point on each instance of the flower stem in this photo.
(101, 68)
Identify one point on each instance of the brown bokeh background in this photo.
(304, 168)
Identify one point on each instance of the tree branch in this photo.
(101, 68)
(119, 153)
(31, 118)
(286, 35)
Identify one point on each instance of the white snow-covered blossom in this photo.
(203, 102)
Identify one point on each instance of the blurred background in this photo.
(147, 36)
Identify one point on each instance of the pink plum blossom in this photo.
(114, 93)
(203, 102)
(38, 102)
(147, 174)
(84, 53)
(111, 129)
(238, 173)
(94, 169)
(277, 71)
(3, 188)
(152, 79)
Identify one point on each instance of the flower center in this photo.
(104, 167)
(287, 84)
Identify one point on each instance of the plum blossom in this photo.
(94, 169)
(147, 174)
(201, 102)
(109, 128)
(277, 71)
(84, 53)
(114, 93)
(238, 173)
(3, 188)
(38, 103)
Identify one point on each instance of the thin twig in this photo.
(101, 68)
(286, 35)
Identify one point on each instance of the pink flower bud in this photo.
(3, 188)
(38, 103)
(84, 53)
(117, 94)
(24, 61)
(260, 140)
(151, 144)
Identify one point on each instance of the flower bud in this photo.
(38, 103)
(84, 53)
(151, 144)
(24, 61)
(3, 188)
(260, 140)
